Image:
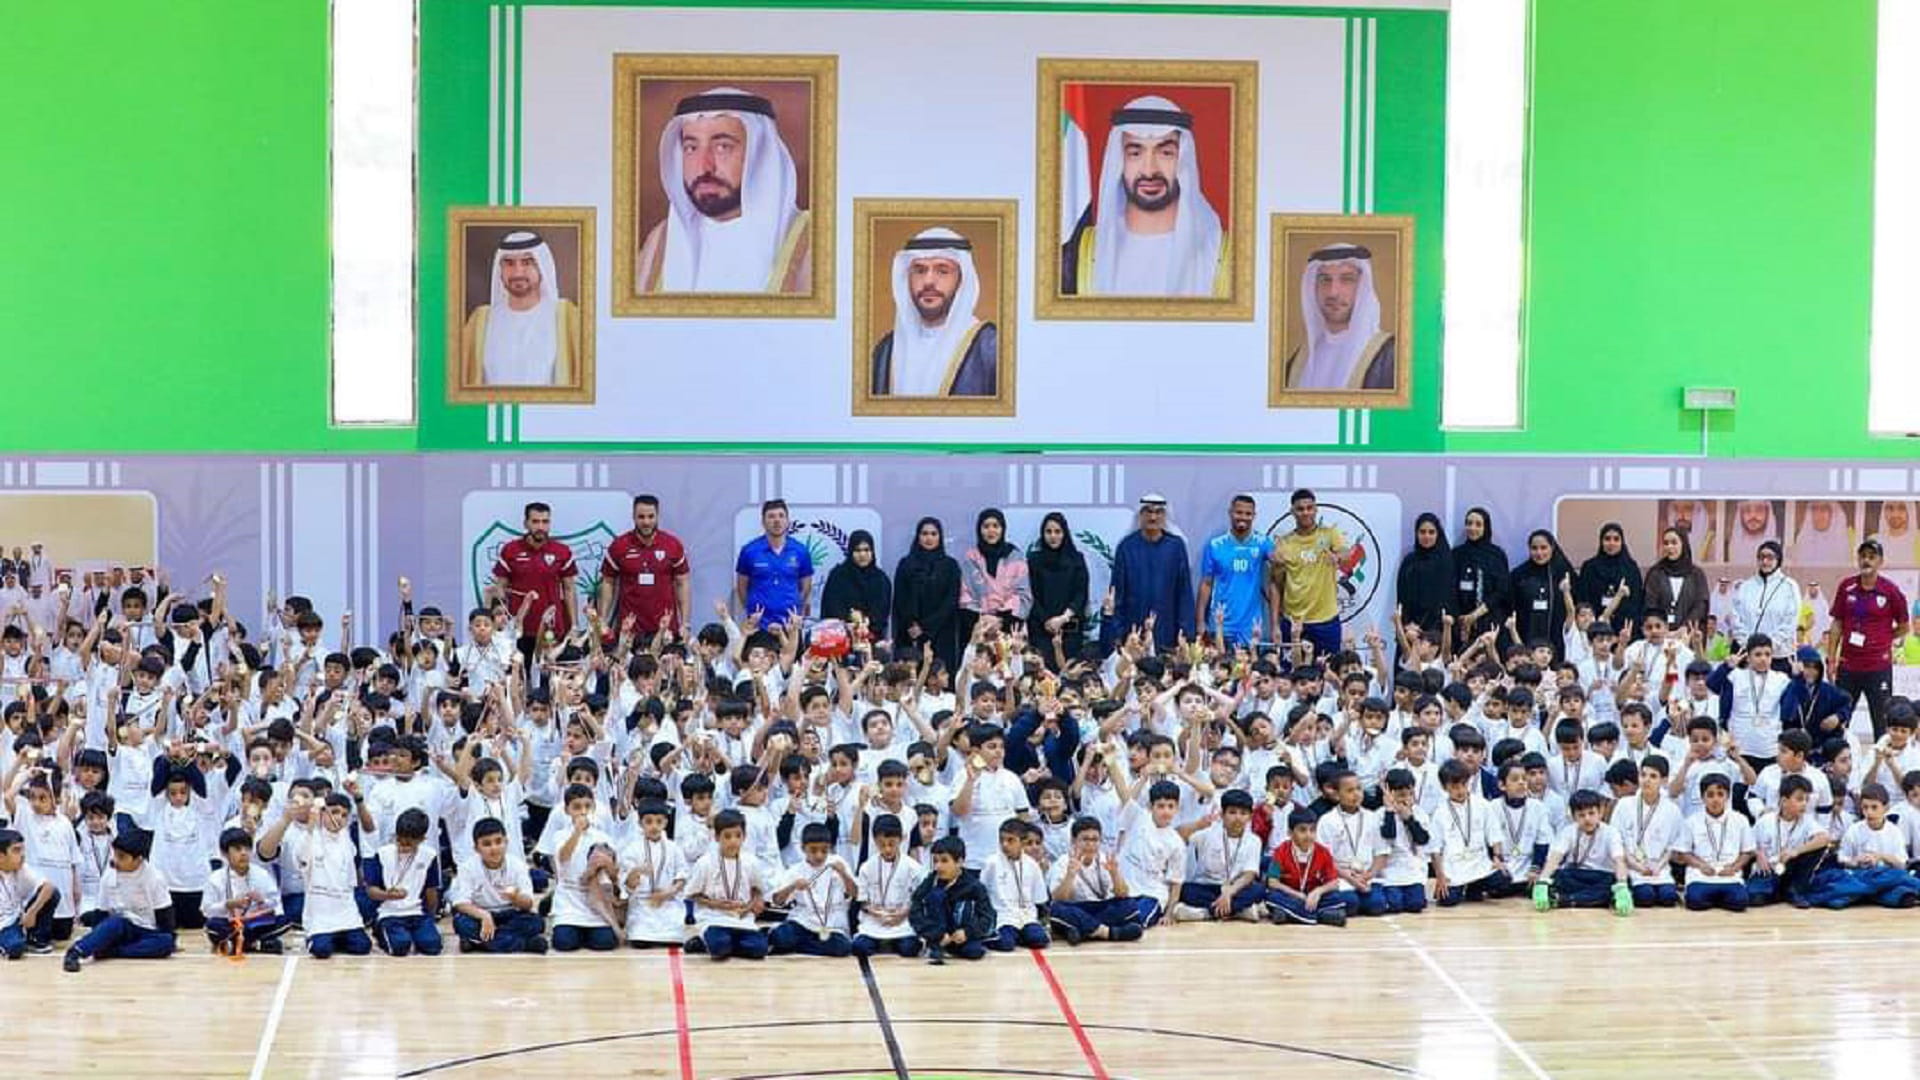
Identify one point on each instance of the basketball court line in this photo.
(886, 1023)
(1758, 1067)
(1066, 1011)
(1486, 1019)
(272, 1026)
(682, 1033)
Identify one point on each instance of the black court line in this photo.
(886, 1025)
(766, 1025)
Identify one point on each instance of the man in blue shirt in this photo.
(774, 574)
(1235, 591)
(1151, 576)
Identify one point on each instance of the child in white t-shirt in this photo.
(1586, 863)
(1719, 845)
(886, 883)
(1017, 886)
(728, 887)
(817, 892)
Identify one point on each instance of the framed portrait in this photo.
(723, 184)
(1892, 522)
(1825, 532)
(1146, 186)
(520, 304)
(1746, 524)
(934, 306)
(1694, 517)
(1341, 319)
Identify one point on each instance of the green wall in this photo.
(1700, 214)
(165, 175)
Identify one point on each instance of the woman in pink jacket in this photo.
(993, 574)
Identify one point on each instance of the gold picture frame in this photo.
(1240, 78)
(811, 77)
(569, 231)
(1389, 239)
(880, 227)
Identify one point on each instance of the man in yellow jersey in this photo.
(1310, 557)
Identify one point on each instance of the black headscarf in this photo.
(851, 587)
(1483, 566)
(1426, 585)
(992, 553)
(1602, 573)
(1682, 566)
(1538, 607)
(926, 590)
(1058, 575)
(1779, 558)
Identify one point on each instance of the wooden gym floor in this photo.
(1475, 992)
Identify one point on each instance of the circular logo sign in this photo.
(1358, 571)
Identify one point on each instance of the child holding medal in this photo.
(818, 890)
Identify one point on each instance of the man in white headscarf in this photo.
(526, 334)
(1153, 233)
(1896, 533)
(1824, 538)
(1345, 347)
(732, 224)
(937, 348)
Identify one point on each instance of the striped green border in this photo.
(1406, 165)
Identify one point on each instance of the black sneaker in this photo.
(1066, 932)
(469, 946)
(535, 944)
(71, 961)
(40, 948)
(270, 947)
(936, 956)
(1333, 917)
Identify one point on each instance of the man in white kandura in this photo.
(1153, 232)
(1345, 347)
(733, 224)
(937, 348)
(525, 335)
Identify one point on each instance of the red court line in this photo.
(680, 1012)
(1066, 1010)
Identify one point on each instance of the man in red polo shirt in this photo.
(1869, 619)
(647, 571)
(539, 565)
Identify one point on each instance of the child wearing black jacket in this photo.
(951, 910)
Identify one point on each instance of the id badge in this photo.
(644, 579)
(1540, 605)
(1857, 639)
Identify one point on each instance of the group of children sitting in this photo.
(737, 796)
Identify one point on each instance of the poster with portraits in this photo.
(1106, 174)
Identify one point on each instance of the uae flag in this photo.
(1076, 166)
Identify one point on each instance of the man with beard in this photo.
(937, 348)
(1345, 348)
(1153, 233)
(538, 571)
(525, 335)
(733, 224)
(1870, 617)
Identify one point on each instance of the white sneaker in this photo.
(1187, 913)
(1252, 913)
